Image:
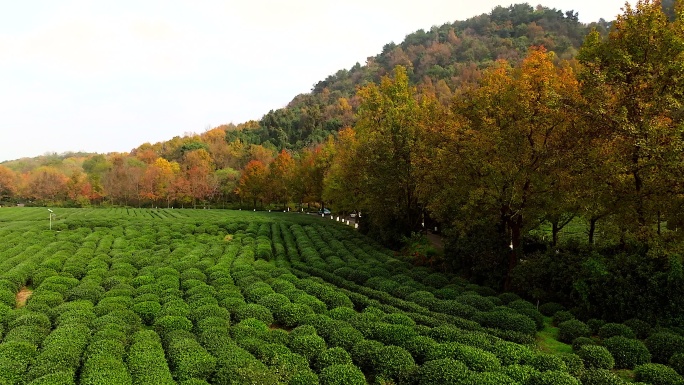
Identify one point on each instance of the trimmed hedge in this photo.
(491, 378)
(596, 357)
(332, 356)
(308, 345)
(189, 359)
(627, 352)
(342, 375)
(569, 330)
(562, 316)
(657, 374)
(677, 362)
(552, 378)
(600, 377)
(395, 363)
(104, 370)
(252, 310)
(146, 360)
(614, 329)
(664, 345)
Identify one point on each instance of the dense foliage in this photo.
(166, 296)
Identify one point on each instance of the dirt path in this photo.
(22, 296)
(437, 241)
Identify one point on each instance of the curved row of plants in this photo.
(268, 301)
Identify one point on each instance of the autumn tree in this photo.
(227, 182)
(635, 79)
(46, 184)
(281, 174)
(8, 183)
(310, 171)
(253, 182)
(342, 183)
(123, 180)
(504, 150)
(79, 190)
(198, 169)
(386, 131)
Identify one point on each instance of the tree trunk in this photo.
(515, 226)
(555, 229)
(592, 229)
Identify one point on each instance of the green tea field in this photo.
(140, 296)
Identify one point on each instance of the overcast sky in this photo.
(107, 76)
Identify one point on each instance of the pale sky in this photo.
(107, 76)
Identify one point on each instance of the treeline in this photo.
(441, 60)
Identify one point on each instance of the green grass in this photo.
(547, 339)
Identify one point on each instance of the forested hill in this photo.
(441, 59)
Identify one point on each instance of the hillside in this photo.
(442, 59)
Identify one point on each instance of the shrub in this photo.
(342, 375)
(31, 334)
(207, 311)
(507, 321)
(418, 347)
(304, 377)
(677, 362)
(274, 301)
(441, 372)
(573, 362)
(641, 328)
(478, 302)
(550, 308)
(291, 314)
(169, 323)
(627, 353)
(365, 352)
(596, 357)
(108, 347)
(520, 373)
(476, 359)
(332, 356)
(391, 334)
(147, 311)
(569, 330)
(101, 370)
(507, 297)
(302, 330)
(189, 360)
(510, 353)
(253, 310)
(491, 378)
(395, 363)
(278, 336)
(399, 319)
(63, 377)
(657, 374)
(578, 342)
(314, 303)
(562, 316)
(552, 378)
(614, 329)
(663, 345)
(39, 320)
(146, 360)
(600, 377)
(308, 345)
(594, 325)
(249, 328)
(545, 362)
(345, 337)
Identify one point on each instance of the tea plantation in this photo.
(131, 296)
